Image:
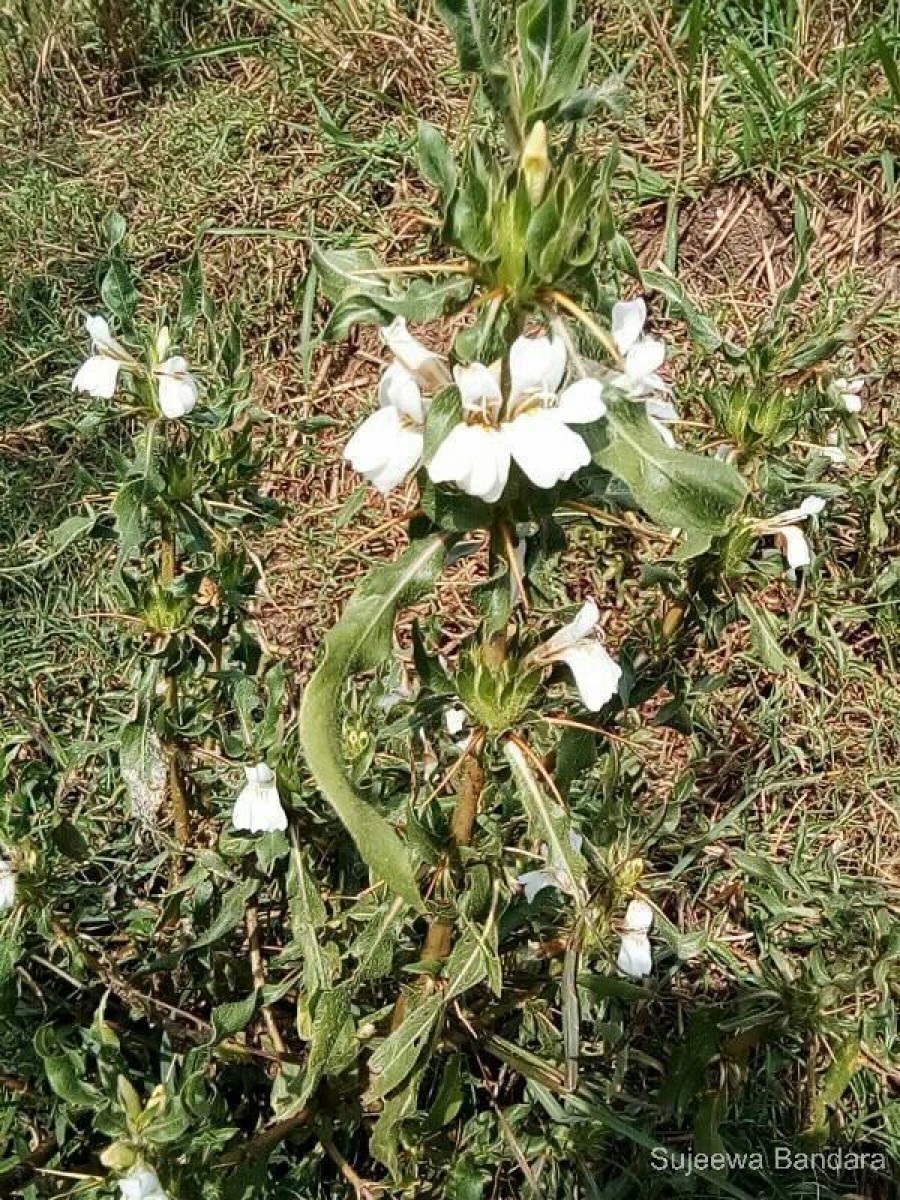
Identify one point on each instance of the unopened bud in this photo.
(535, 163)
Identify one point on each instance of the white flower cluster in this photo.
(176, 388)
(531, 427)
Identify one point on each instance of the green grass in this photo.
(242, 130)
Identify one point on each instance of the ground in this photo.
(245, 130)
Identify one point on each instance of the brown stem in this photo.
(258, 967)
(439, 938)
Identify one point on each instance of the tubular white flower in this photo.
(176, 387)
(785, 527)
(99, 374)
(141, 1183)
(535, 433)
(258, 808)
(553, 875)
(7, 885)
(388, 445)
(643, 356)
(578, 645)
(635, 956)
(429, 369)
(849, 392)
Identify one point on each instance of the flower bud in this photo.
(119, 1157)
(535, 163)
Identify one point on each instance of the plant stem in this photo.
(177, 791)
(258, 969)
(439, 938)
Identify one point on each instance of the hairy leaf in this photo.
(360, 641)
(693, 492)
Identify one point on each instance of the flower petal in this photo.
(811, 506)
(536, 364)
(102, 339)
(581, 402)
(384, 450)
(399, 388)
(478, 387)
(638, 916)
(644, 358)
(370, 447)
(635, 957)
(596, 672)
(545, 448)
(535, 881)
(795, 547)
(177, 388)
(98, 377)
(628, 320)
(582, 624)
(488, 470)
(427, 366)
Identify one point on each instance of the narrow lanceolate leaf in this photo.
(548, 820)
(397, 1055)
(374, 946)
(359, 642)
(693, 492)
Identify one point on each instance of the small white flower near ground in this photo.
(141, 1183)
(258, 808)
(785, 527)
(553, 875)
(7, 886)
(642, 357)
(635, 956)
(99, 374)
(578, 645)
(849, 393)
(388, 445)
(455, 720)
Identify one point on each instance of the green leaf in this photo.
(308, 916)
(465, 20)
(114, 228)
(143, 767)
(384, 1142)
(374, 946)
(700, 327)
(333, 1044)
(765, 641)
(118, 291)
(436, 160)
(474, 958)
(398, 1054)
(548, 819)
(343, 271)
(71, 529)
(231, 913)
(230, 1018)
(693, 492)
(360, 641)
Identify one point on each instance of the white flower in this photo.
(455, 721)
(833, 450)
(578, 645)
(785, 527)
(533, 430)
(849, 392)
(388, 445)
(643, 356)
(99, 373)
(258, 808)
(554, 874)
(635, 958)
(7, 885)
(177, 388)
(141, 1183)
